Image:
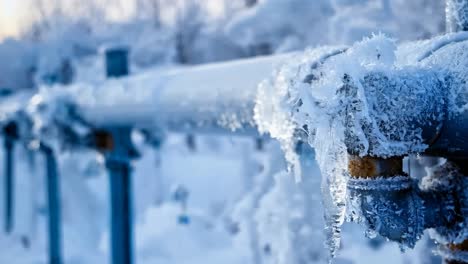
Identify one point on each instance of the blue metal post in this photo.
(10, 132)
(54, 207)
(9, 148)
(116, 61)
(121, 211)
(117, 145)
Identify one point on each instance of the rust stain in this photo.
(457, 247)
(373, 167)
(103, 141)
(362, 167)
(460, 247)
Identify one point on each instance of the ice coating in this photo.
(456, 15)
(388, 207)
(365, 101)
(456, 67)
(286, 104)
(272, 115)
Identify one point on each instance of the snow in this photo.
(212, 95)
(11, 105)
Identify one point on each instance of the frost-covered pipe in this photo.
(214, 98)
(394, 115)
(409, 110)
(456, 15)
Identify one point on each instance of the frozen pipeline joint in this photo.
(381, 198)
(403, 112)
(389, 203)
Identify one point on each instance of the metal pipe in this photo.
(54, 206)
(388, 202)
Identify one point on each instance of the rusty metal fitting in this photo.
(368, 167)
(103, 140)
(115, 143)
(455, 253)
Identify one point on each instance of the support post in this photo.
(117, 147)
(121, 211)
(54, 206)
(116, 61)
(11, 134)
(9, 149)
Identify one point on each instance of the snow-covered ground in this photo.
(217, 172)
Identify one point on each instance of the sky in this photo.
(14, 12)
(10, 13)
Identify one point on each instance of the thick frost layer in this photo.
(457, 15)
(359, 101)
(388, 207)
(456, 67)
(286, 104)
(446, 177)
(277, 96)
